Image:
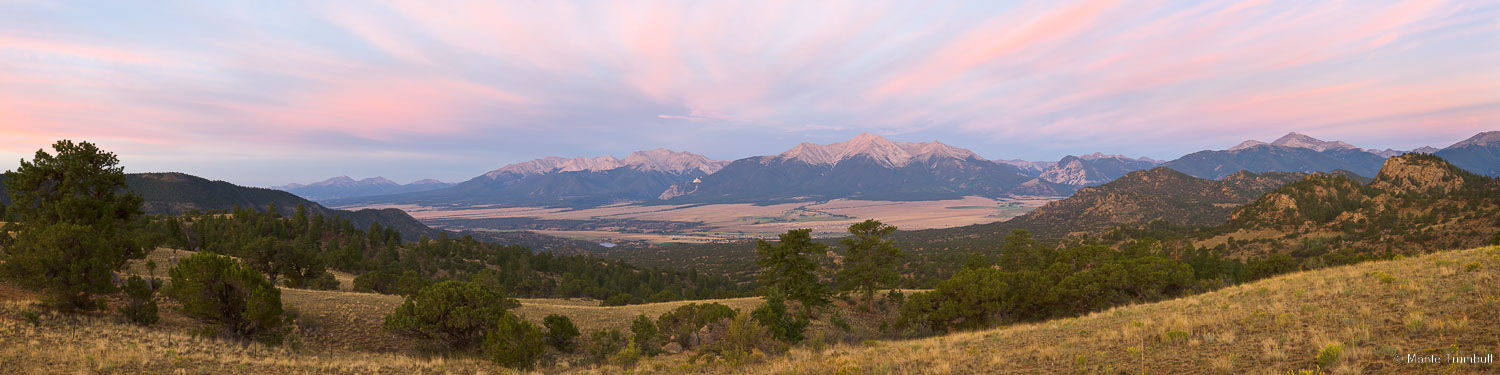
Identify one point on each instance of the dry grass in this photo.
(1437, 305)
(1273, 326)
(101, 344)
(336, 332)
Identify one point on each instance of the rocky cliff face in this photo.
(1093, 169)
(1417, 202)
(1418, 174)
(1145, 196)
(681, 189)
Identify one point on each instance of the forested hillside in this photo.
(1416, 203)
(299, 246)
(179, 193)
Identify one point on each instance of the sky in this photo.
(268, 92)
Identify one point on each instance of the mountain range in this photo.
(1094, 169)
(563, 182)
(345, 187)
(1291, 153)
(1479, 154)
(865, 167)
(870, 167)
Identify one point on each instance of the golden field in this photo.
(748, 220)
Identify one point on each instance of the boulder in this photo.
(704, 337)
(672, 348)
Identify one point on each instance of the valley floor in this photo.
(1442, 304)
(713, 222)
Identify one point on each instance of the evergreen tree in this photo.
(217, 289)
(71, 221)
(1019, 252)
(786, 268)
(645, 334)
(515, 343)
(774, 317)
(140, 305)
(453, 313)
(561, 332)
(869, 260)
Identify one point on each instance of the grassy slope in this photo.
(1434, 305)
(339, 332)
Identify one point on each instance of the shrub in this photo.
(681, 323)
(742, 338)
(217, 289)
(325, 281)
(140, 302)
(514, 343)
(1471, 267)
(645, 335)
(773, 316)
(621, 299)
(627, 356)
(451, 313)
(664, 296)
(895, 298)
(839, 321)
(1176, 336)
(33, 317)
(1329, 355)
(560, 332)
(603, 343)
(389, 282)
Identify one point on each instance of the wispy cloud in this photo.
(497, 81)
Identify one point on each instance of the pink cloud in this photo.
(991, 42)
(81, 50)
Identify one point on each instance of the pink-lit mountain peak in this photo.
(658, 160)
(877, 148)
(1298, 140)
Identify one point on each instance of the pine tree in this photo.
(786, 268)
(869, 260)
(70, 233)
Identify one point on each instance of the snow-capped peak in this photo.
(1246, 144)
(342, 181)
(1481, 139)
(669, 161)
(661, 160)
(1298, 140)
(874, 147)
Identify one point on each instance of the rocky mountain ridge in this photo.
(345, 187)
(657, 160)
